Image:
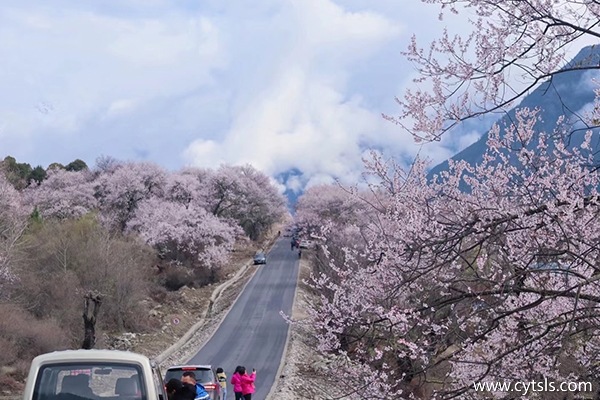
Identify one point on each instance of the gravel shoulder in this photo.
(302, 374)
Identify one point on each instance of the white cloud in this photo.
(120, 106)
(283, 84)
(82, 63)
(302, 117)
(295, 184)
(467, 139)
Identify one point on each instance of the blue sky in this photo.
(279, 84)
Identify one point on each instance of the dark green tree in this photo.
(9, 162)
(38, 174)
(23, 170)
(16, 173)
(76, 165)
(55, 165)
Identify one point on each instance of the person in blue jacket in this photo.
(189, 378)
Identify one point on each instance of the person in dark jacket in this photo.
(189, 377)
(186, 392)
(172, 387)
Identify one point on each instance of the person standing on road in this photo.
(247, 383)
(222, 378)
(236, 381)
(189, 378)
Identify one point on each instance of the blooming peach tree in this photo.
(513, 46)
(247, 196)
(63, 194)
(120, 191)
(189, 187)
(12, 226)
(483, 273)
(332, 203)
(182, 232)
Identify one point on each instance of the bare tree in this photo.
(91, 308)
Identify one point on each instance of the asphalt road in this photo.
(253, 333)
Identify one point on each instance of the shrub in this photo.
(22, 337)
(66, 259)
(175, 277)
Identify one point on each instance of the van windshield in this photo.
(203, 375)
(89, 381)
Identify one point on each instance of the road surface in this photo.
(253, 333)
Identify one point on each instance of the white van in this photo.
(94, 375)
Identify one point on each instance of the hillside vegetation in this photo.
(127, 232)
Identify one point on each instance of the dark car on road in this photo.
(260, 258)
(204, 375)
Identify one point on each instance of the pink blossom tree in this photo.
(247, 196)
(12, 226)
(185, 234)
(63, 194)
(512, 47)
(189, 187)
(332, 203)
(106, 164)
(486, 273)
(337, 218)
(120, 191)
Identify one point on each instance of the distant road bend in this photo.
(253, 333)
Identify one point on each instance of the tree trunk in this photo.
(90, 313)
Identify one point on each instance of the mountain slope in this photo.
(565, 94)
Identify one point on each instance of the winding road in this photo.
(253, 333)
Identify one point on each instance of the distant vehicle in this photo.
(290, 231)
(204, 375)
(260, 258)
(306, 244)
(94, 375)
